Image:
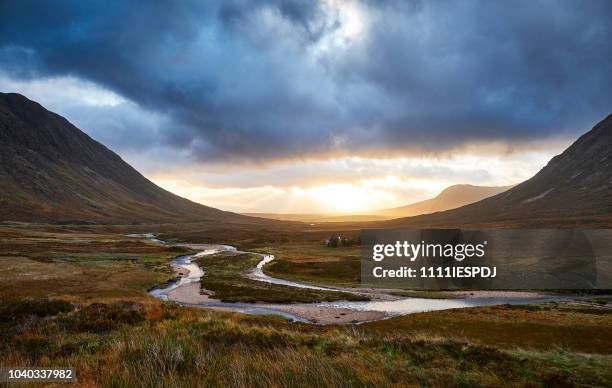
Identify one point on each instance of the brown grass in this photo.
(79, 266)
(225, 275)
(315, 263)
(114, 334)
(529, 327)
(133, 344)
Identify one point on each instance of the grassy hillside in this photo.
(50, 171)
(450, 198)
(573, 190)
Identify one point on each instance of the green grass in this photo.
(225, 277)
(313, 262)
(80, 266)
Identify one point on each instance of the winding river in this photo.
(186, 291)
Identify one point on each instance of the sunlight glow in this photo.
(346, 184)
(352, 24)
(344, 197)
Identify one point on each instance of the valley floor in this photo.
(77, 296)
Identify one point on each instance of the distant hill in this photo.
(574, 189)
(319, 217)
(50, 171)
(450, 198)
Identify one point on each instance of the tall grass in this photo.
(131, 344)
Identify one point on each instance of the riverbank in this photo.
(233, 280)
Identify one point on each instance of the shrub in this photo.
(18, 310)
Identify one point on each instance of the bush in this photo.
(101, 317)
(16, 311)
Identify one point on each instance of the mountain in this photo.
(573, 189)
(50, 171)
(450, 198)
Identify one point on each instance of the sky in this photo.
(317, 106)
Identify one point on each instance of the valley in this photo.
(103, 270)
(80, 295)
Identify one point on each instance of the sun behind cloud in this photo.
(344, 197)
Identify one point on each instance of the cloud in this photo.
(107, 117)
(260, 81)
(343, 184)
(300, 189)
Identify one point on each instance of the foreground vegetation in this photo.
(572, 328)
(225, 277)
(154, 344)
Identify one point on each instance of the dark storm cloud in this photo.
(264, 80)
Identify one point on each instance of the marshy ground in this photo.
(78, 296)
(226, 278)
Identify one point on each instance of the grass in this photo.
(77, 296)
(537, 327)
(225, 277)
(133, 344)
(313, 262)
(79, 266)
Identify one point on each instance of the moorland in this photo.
(78, 295)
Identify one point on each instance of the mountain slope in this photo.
(50, 171)
(575, 188)
(450, 198)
